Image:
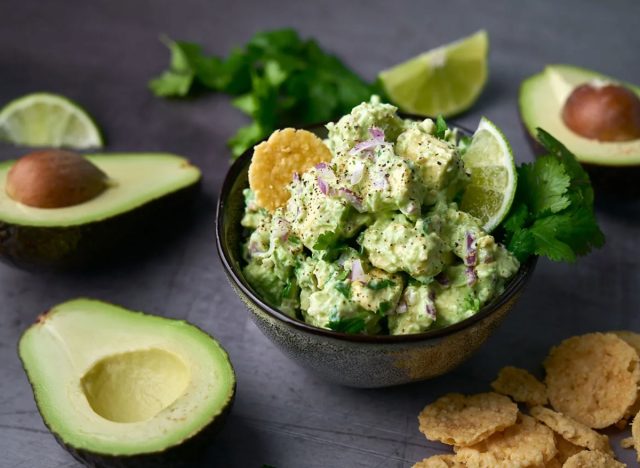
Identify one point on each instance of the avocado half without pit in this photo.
(595, 116)
(59, 209)
(119, 388)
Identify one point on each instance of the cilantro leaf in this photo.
(441, 127)
(376, 285)
(516, 219)
(278, 80)
(347, 325)
(581, 188)
(547, 183)
(325, 240)
(384, 307)
(287, 289)
(344, 289)
(552, 214)
(463, 144)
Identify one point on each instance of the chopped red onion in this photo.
(381, 182)
(352, 198)
(321, 165)
(358, 172)
(377, 139)
(442, 279)
(471, 257)
(401, 308)
(412, 208)
(357, 273)
(296, 177)
(431, 305)
(322, 185)
(472, 277)
(254, 248)
(376, 133)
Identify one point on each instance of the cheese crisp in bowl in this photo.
(352, 239)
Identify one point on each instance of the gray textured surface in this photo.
(102, 52)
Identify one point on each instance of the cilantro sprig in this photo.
(277, 79)
(347, 325)
(552, 213)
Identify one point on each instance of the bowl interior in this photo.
(229, 238)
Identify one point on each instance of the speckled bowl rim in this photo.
(242, 164)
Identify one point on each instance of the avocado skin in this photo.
(76, 247)
(186, 454)
(613, 181)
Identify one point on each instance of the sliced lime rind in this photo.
(51, 120)
(490, 193)
(443, 81)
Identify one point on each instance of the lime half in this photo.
(43, 119)
(493, 176)
(442, 81)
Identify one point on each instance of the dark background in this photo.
(101, 54)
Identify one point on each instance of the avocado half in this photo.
(119, 388)
(614, 167)
(146, 192)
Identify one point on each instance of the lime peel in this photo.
(46, 119)
(443, 81)
(489, 158)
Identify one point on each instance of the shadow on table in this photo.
(237, 444)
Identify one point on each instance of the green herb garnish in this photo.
(277, 78)
(347, 325)
(344, 289)
(384, 307)
(441, 127)
(552, 213)
(287, 289)
(376, 284)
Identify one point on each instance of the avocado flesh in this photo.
(541, 100)
(135, 179)
(121, 384)
(146, 200)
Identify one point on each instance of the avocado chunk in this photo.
(145, 193)
(122, 388)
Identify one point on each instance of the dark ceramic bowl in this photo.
(353, 360)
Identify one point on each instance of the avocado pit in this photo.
(54, 179)
(603, 111)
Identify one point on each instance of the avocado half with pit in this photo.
(62, 210)
(595, 116)
(119, 388)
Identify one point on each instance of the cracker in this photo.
(275, 161)
(592, 459)
(635, 433)
(566, 449)
(520, 385)
(571, 430)
(439, 461)
(461, 420)
(632, 338)
(593, 378)
(527, 443)
(627, 443)
(553, 463)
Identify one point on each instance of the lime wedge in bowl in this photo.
(443, 81)
(493, 175)
(44, 119)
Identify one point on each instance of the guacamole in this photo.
(373, 241)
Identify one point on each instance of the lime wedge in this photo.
(443, 81)
(493, 176)
(43, 119)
